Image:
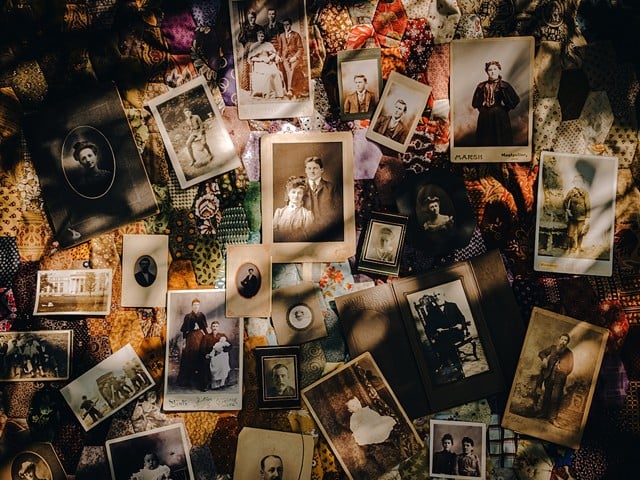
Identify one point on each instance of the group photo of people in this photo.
(457, 457)
(29, 356)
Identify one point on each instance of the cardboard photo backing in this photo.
(248, 287)
(575, 219)
(501, 133)
(200, 147)
(297, 314)
(554, 384)
(37, 458)
(364, 63)
(325, 230)
(145, 267)
(73, 292)
(292, 453)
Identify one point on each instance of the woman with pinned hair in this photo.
(93, 181)
(493, 99)
(293, 222)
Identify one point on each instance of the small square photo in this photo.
(277, 369)
(381, 244)
(457, 449)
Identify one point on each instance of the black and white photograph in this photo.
(380, 246)
(359, 82)
(440, 214)
(90, 171)
(297, 314)
(307, 200)
(35, 461)
(35, 356)
(277, 369)
(162, 453)
(447, 332)
(248, 285)
(361, 419)
(273, 455)
(271, 53)
(400, 108)
(457, 449)
(492, 100)
(203, 363)
(106, 388)
(147, 412)
(576, 214)
(73, 292)
(145, 267)
(556, 378)
(194, 133)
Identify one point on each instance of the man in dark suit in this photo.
(324, 201)
(280, 382)
(249, 285)
(291, 51)
(273, 27)
(557, 365)
(393, 126)
(144, 277)
(362, 99)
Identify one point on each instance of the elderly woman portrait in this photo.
(92, 181)
(493, 99)
(293, 222)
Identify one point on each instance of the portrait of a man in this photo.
(250, 283)
(271, 468)
(393, 124)
(362, 98)
(144, 274)
(300, 317)
(280, 380)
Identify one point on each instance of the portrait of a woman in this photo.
(293, 222)
(493, 99)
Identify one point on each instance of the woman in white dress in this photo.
(367, 425)
(266, 78)
(293, 222)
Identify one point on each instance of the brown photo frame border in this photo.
(265, 402)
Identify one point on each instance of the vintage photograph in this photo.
(73, 292)
(440, 215)
(273, 455)
(307, 196)
(248, 286)
(457, 449)
(162, 453)
(107, 387)
(361, 419)
(399, 111)
(194, 132)
(36, 461)
(576, 214)
(380, 246)
(359, 82)
(203, 363)
(297, 314)
(277, 369)
(145, 269)
(556, 377)
(147, 413)
(35, 356)
(492, 99)
(90, 171)
(271, 54)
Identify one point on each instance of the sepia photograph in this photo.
(145, 267)
(277, 369)
(273, 455)
(271, 58)
(35, 356)
(359, 82)
(203, 363)
(88, 165)
(492, 100)
(35, 461)
(380, 246)
(399, 111)
(307, 196)
(556, 378)
(457, 449)
(73, 292)
(161, 453)
(361, 419)
(297, 314)
(248, 285)
(108, 387)
(194, 133)
(576, 212)
(440, 214)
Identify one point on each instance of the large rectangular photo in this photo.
(271, 53)
(361, 419)
(37, 356)
(73, 292)
(107, 387)
(555, 378)
(576, 214)
(308, 196)
(203, 362)
(492, 100)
